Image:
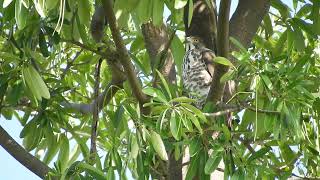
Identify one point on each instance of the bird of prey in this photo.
(197, 70)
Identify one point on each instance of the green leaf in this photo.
(223, 61)
(298, 42)
(267, 81)
(40, 7)
(134, 147)
(277, 50)
(143, 10)
(178, 4)
(30, 82)
(43, 44)
(8, 57)
(193, 167)
(306, 27)
(63, 156)
(21, 14)
(195, 110)
(84, 12)
(187, 123)
(119, 114)
(6, 3)
(195, 146)
(97, 174)
(156, 93)
(190, 12)
(268, 25)
(238, 44)
(158, 145)
(175, 125)
(261, 152)
(51, 4)
(182, 99)
(157, 13)
(164, 83)
(195, 121)
(288, 155)
(178, 52)
(227, 76)
(213, 162)
(39, 83)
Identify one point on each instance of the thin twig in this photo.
(95, 117)
(86, 47)
(239, 108)
(69, 64)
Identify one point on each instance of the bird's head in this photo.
(194, 42)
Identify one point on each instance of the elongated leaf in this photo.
(97, 174)
(267, 81)
(180, 3)
(178, 53)
(213, 162)
(195, 146)
(157, 13)
(21, 14)
(51, 4)
(40, 85)
(193, 167)
(158, 145)
(223, 61)
(175, 125)
(84, 12)
(164, 83)
(190, 12)
(259, 153)
(40, 7)
(63, 156)
(134, 147)
(182, 99)
(30, 82)
(195, 110)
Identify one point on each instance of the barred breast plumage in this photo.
(197, 70)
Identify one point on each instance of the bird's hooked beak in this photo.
(187, 40)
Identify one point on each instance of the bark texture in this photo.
(20, 154)
(156, 38)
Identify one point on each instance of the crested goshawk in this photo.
(197, 70)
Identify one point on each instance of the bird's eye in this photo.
(196, 40)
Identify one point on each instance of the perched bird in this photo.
(197, 70)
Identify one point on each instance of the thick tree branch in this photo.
(20, 154)
(246, 20)
(123, 53)
(217, 88)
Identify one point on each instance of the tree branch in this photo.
(118, 77)
(20, 154)
(217, 88)
(95, 115)
(123, 53)
(246, 20)
(239, 108)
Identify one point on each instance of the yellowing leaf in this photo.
(158, 145)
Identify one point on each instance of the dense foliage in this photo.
(48, 58)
